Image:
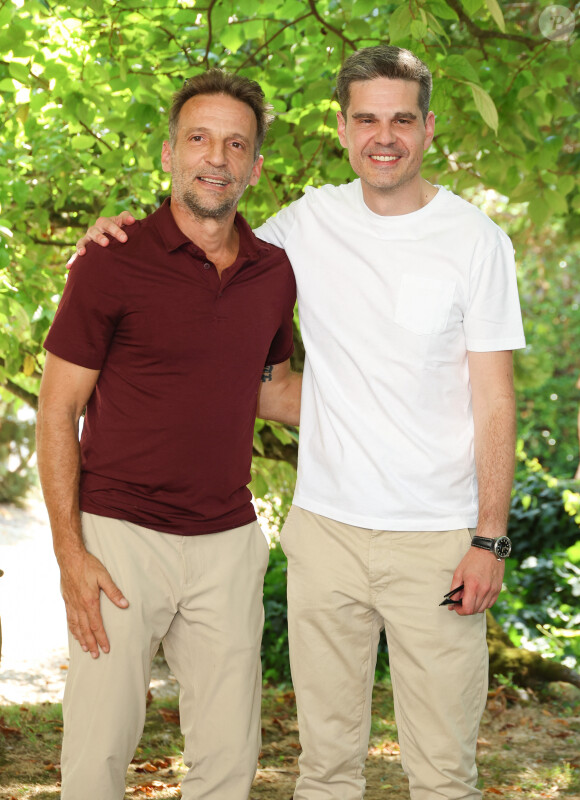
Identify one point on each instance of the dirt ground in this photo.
(527, 748)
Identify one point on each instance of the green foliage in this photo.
(275, 661)
(544, 513)
(539, 609)
(539, 606)
(548, 372)
(86, 87)
(17, 446)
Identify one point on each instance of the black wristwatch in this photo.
(500, 547)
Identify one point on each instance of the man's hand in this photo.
(111, 225)
(83, 577)
(481, 575)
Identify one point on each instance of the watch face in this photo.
(503, 547)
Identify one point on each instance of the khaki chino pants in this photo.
(201, 596)
(344, 584)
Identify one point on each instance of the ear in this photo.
(341, 128)
(166, 157)
(256, 171)
(429, 130)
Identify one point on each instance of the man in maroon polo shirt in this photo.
(165, 340)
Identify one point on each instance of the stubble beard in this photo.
(189, 196)
(390, 183)
(201, 211)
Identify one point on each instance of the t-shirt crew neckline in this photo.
(398, 221)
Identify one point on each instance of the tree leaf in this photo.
(496, 12)
(485, 106)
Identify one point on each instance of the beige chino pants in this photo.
(344, 585)
(201, 596)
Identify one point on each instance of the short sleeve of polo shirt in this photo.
(90, 307)
(493, 319)
(282, 345)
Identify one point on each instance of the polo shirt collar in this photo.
(250, 248)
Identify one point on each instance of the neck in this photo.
(218, 238)
(399, 200)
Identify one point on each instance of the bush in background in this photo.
(545, 511)
(17, 448)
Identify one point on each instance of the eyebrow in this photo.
(396, 115)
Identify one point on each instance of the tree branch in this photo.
(52, 242)
(271, 39)
(209, 33)
(481, 34)
(29, 397)
(330, 27)
(95, 135)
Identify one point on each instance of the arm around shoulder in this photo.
(279, 394)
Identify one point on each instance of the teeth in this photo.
(216, 183)
(385, 158)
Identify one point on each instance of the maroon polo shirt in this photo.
(167, 438)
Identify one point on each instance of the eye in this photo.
(238, 145)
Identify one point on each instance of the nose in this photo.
(385, 133)
(216, 153)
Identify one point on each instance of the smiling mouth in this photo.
(213, 181)
(384, 159)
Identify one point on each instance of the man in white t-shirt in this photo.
(409, 313)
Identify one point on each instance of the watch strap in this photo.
(483, 542)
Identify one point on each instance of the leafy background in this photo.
(85, 90)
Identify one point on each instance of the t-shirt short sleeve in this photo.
(493, 319)
(88, 312)
(276, 229)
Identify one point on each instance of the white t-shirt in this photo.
(389, 307)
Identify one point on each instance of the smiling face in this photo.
(386, 136)
(212, 160)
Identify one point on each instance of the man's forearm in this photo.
(279, 397)
(495, 440)
(59, 470)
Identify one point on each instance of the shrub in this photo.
(545, 511)
(17, 446)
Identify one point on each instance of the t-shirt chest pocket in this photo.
(424, 304)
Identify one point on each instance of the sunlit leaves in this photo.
(485, 106)
(86, 88)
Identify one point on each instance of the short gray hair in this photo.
(384, 61)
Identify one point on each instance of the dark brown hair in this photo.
(216, 81)
(384, 61)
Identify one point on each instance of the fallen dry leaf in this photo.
(170, 715)
(163, 763)
(146, 767)
(276, 721)
(6, 730)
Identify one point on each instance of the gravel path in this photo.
(34, 633)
